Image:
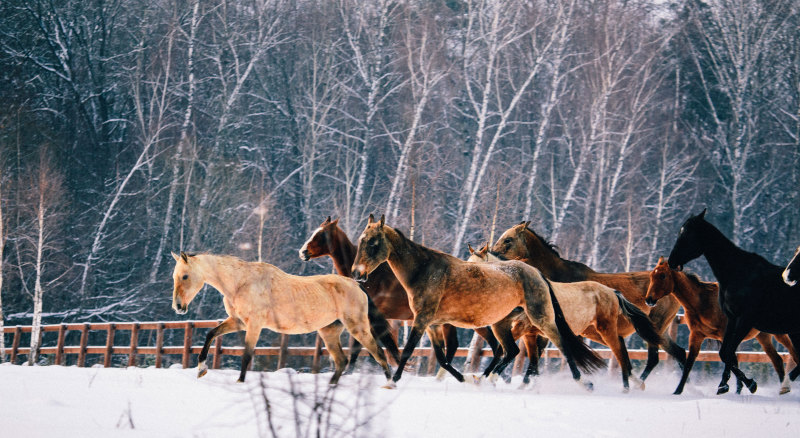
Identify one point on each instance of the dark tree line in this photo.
(142, 127)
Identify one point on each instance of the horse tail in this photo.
(573, 346)
(381, 329)
(641, 322)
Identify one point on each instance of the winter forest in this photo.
(130, 129)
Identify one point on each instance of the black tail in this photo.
(641, 322)
(585, 358)
(381, 329)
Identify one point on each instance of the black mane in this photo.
(547, 244)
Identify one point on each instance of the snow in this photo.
(55, 401)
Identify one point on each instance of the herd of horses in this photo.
(518, 288)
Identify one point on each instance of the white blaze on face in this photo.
(304, 248)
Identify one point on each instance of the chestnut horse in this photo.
(522, 243)
(791, 274)
(258, 295)
(382, 287)
(704, 316)
(752, 294)
(592, 310)
(445, 290)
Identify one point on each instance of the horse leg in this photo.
(451, 346)
(361, 331)
(735, 332)
(438, 349)
(497, 350)
(250, 339)
(229, 325)
(795, 338)
(531, 341)
(417, 328)
(608, 332)
(355, 350)
(381, 330)
(502, 331)
(652, 361)
(331, 336)
(765, 339)
(695, 342)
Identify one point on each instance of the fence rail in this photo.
(283, 351)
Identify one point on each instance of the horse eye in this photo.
(185, 276)
(508, 240)
(662, 276)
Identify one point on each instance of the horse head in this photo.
(661, 282)
(513, 243)
(688, 246)
(374, 248)
(320, 243)
(187, 281)
(481, 255)
(792, 272)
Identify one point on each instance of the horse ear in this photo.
(184, 257)
(661, 260)
(702, 214)
(327, 221)
(371, 219)
(471, 250)
(484, 248)
(383, 221)
(175, 256)
(527, 223)
(336, 221)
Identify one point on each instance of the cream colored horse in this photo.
(259, 295)
(591, 310)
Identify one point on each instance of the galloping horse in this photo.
(792, 272)
(592, 310)
(704, 316)
(443, 289)
(752, 294)
(385, 291)
(522, 243)
(259, 295)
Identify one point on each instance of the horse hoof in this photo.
(390, 385)
(476, 380)
(202, 369)
(493, 378)
(589, 386)
(626, 389)
(638, 384)
(239, 380)
(784, 390)
(523, 385)
(441, 374)
(723, 389)
(752, 387)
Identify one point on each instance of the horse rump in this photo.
(584, 357)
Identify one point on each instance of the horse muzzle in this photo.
(359, 273)
(304, 255)
(180, 309)
(650, 301)
(789, 278)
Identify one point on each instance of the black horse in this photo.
(792, 272)
(752, 294)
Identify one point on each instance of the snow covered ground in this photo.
(56, 401)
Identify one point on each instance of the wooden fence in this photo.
(283, 351)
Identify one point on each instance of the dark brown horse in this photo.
(522, 243)
(445, 290)
(382, 287)
(705, 318)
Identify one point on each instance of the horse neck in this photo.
(407, 258)
(343, 253)
(214, 272)
(722, 255)
(686, 292)
(553, 266)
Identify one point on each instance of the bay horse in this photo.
(444, 289)
(385, 291)
(752, 293)
(520, 242)
(705, 318)
(258, 295)
(791, 274)
(592, 310)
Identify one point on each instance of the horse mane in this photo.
(547, 244)
(710, 287)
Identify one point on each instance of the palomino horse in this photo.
(752, 294)
(259, 295)
(792, 272)
(592, 310)
(704, 316)
(382, 287)
(522, 243)
(443, 289)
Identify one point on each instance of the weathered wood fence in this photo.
(283, 351)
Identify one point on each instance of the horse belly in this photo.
(299, 316)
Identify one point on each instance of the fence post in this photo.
(62, 332)
(317, 354)
(187, 344)
(159, 343)
(215, 364)
(15, 344)
(109, 346)
(134, 344)
(284, 351)
(84, 343)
